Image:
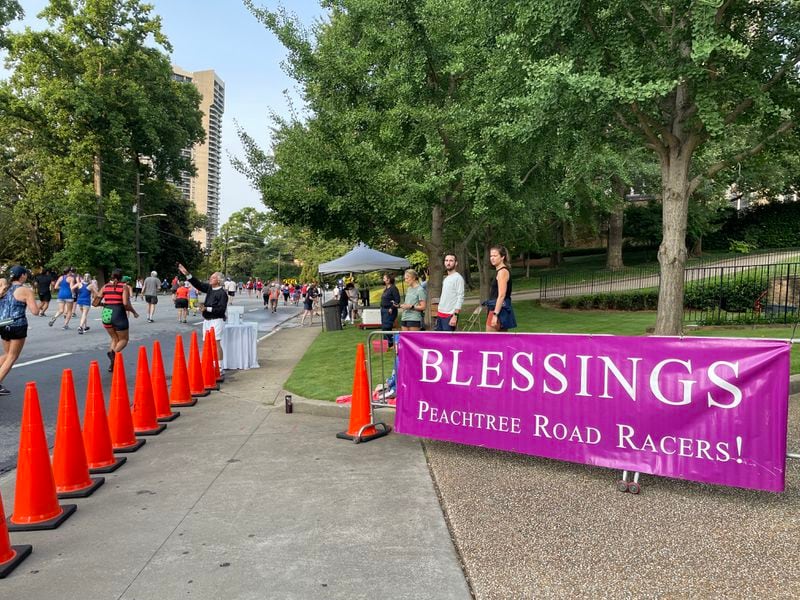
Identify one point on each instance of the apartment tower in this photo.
(203, 189)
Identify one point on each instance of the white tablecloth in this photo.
(240, 346)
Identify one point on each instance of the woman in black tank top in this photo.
(501, 287)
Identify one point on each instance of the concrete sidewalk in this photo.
(238, 500)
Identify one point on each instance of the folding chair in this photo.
(473, 321)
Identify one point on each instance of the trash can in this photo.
(331, 317)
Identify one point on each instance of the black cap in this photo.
(17, 271)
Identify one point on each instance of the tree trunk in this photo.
(697, 248)
(462, 254)
(97, 178)
(487, 271)
(672, 252)
(615, 222)
(435, 251)
(556, 256)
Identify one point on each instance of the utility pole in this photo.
(225, 253)
(279, 266)
(137, 194)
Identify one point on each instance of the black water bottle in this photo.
(288, 400)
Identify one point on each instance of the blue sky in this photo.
(224, 36)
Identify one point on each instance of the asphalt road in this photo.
(50, 350)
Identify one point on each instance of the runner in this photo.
(230, 288)
(181, 298)
(150, 292)
(44, 283)
(192, 299)
(116, 300)
(137, 288)
(66, 303)
(13, 302)
(274, 293)
(86, 291)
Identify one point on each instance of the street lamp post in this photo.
(138, 220)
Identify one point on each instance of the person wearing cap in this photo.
(13, 322)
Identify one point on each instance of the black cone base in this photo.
(202, 394)
(133, 448)
(379, 433)
(192, 402)
(55, 522)
(120, 460)
(22, 552)
(171, 417)
(85, 492)
(154, 431)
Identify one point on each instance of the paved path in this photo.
(238, 500)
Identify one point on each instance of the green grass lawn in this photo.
(326, 370)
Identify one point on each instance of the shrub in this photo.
(637, 300)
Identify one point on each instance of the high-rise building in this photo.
(203, 189)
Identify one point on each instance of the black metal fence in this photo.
(596, 281)
(742, 294)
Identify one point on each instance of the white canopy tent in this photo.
(363, 259)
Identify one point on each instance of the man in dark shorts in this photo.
(44, 284)
(150, 291)
(14, 329)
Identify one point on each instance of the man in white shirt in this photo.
(452, 296)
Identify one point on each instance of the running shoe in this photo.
(87, 328)
(65, 327)
(4, 391)
(80, 330)
(110, 355)
(51, 321)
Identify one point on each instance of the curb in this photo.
(794, 385)
(323, 408)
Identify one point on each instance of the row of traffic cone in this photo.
(78, 454)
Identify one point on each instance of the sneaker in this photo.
(80, 330)
(4, 391)
(87, 328)
(110, 355)
(51, 321)
(65, 327)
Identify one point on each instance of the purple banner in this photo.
(704, 409)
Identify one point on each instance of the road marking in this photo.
(273, 332)
(254, 309)
(39, 360)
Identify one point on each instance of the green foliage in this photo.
(741, 247)
(633, 301)
(774, 225)
(732, 295)
(88, 98)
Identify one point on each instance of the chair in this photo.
(473, 321)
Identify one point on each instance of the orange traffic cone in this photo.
(196, 385)
(120, 423)
(144, 409)
(160, 392)
(217, 366)
(35, 502)
(96, 437)
(361, 428)
(70, 469)
(209, 374)
(179, 394)
(10, 556)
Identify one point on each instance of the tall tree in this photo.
(717, 78)
(94, 96)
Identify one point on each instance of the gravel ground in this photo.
(529, 527)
